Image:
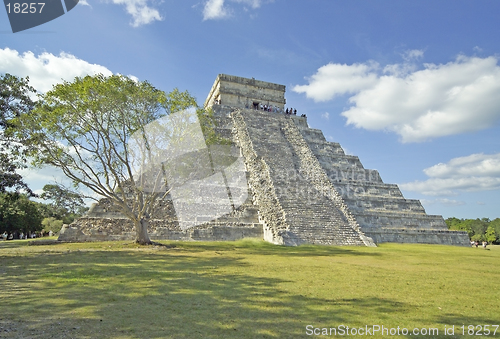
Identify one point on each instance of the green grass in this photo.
(244, 289)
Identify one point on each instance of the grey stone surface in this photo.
(305, 208)
(379, 208)
(234, 91)
(301, 188)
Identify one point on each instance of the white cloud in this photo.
(335, 79)
(437, 100)
(133, 77)
(413, 54)
(252, 3)
(217, 9)
(141, 12)
(46, 69)
(326, 116)
(214, 9)
(472, 165)
(476, 172)
(39, 177)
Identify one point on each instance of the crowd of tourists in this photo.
(268, 108)
(21, 235)
(275, 109)
(476, 243)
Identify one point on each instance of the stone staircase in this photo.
(295, 206)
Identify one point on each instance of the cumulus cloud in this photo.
(218, 9)
(140, 10)
(476, 172)
(46, 69)
(335, 79)
(214, 9)
(326, 116)
(418, 104)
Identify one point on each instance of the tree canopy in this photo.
(85, 128)
(19, 214)
(478, 229)
(62, 198)
(15, 100)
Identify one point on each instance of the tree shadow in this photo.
(121, 294)
(190, 291)
(253, 246)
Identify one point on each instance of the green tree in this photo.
(64, 202)
(52, 224)
(491, 236)
(84, 128)
(14, 101)
(479, 226)
(460, 225)
(478, 237)
(19, 214)
(50, 210)
(496, 226)
(453, 223)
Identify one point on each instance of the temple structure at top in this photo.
(238, 92)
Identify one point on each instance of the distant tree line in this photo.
(478, 229)
(99, 131)
(20, 215)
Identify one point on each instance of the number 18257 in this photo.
(25, 8)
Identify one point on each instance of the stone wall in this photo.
(112, 229)
(420, 236)
(241, 92)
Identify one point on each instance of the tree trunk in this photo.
(141, 232)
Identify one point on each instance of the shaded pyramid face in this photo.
(26, 15)
(204, 181)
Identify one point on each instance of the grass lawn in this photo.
(244, 289)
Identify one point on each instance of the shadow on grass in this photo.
(185, 292)
(255, 246)
(121, 294)
(13, 243)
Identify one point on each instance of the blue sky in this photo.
(411, 87)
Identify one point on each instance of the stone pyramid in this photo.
(299, 188)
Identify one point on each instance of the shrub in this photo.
(52, 224)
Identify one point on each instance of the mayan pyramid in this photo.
(297, 188)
